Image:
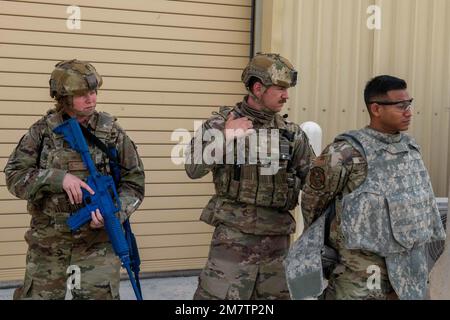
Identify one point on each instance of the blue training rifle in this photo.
(105, 199)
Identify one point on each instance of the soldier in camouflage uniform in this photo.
(46, 172)
(251, 210)
(385, 207)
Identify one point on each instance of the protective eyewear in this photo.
(403, 105)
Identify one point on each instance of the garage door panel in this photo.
(113, 43)
(165, 65)
(125, 30)
(94, 55)
(168, 7)
(58, 13)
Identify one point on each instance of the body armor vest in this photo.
(245, 182)
(56, 154)
(393, 213)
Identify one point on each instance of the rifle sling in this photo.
(97, 142)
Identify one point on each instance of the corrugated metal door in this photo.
(165, 64)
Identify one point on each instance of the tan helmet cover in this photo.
(73, 77)
(271, 69)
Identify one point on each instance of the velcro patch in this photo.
(317, 178)
(76, 166)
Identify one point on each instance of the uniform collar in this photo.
(91, 124)
(384, 137)
(260, 116)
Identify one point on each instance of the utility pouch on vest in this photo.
(294, 187)
(248, 184)
(233, 190)
(222, 179)
(281, 188)
(265, 190)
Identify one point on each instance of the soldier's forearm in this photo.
(34, 184)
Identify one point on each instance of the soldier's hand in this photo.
(72, 186)
(235, 128)
(97, 221)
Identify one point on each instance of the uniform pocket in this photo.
(114, 287)
(213, 282)
(249, 184)
(410, 220)
(24, 292)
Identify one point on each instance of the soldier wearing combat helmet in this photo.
(250, 210)
(50, 175)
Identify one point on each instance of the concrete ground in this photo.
(166, 288)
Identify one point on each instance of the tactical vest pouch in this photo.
(412, 228)
(222, 180)
(248, 184)
(294, 187)
(207, 215)
(281, 189)
(265, 190)
(235, 175)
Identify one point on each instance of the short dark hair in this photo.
(380, 85)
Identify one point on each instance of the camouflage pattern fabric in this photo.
(248, 218)
(247, 226)
(394, 212)
(52, 250)
(271, 69)
(72, 77)
(34, 172)
(303, 264)
(336, 173)
(242, 266)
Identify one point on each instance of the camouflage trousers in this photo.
(244, 267)
(345, 284)
(53, 251)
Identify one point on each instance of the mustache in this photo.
(282, 101)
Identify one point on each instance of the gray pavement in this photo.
(167, 288)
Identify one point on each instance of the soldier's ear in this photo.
(257, 88)
(374, 110)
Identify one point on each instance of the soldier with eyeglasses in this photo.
(385, 211)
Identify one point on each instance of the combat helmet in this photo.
(73, 77)
(271, 69)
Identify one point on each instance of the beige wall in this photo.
(336, 53)
(165, 64)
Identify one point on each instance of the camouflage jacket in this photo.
(36, 169)
(248, 218)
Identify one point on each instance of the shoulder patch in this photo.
(317, 178)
